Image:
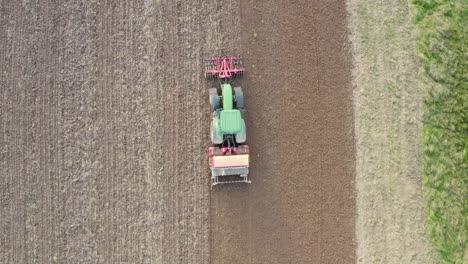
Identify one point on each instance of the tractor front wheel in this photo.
(214, 98)
(239, 97)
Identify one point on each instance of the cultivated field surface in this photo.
(104, 123)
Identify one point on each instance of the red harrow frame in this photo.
(223, 68)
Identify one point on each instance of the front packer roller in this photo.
(229, 155)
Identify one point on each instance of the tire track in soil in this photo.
(43, 137)
(300, 205)
(104, 62)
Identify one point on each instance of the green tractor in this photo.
(228, 124)
(229, 157)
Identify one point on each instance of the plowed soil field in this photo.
(104, 128)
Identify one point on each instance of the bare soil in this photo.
(388, 106)
(104, 128)
(300, 205)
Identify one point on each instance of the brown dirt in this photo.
(388, 112)
(104, 124)
(300, 206)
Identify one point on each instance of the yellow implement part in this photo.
(230, 161)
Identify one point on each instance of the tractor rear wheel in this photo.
(214, 98)
(239, 97)
(214, 135)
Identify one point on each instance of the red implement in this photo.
(229, 164)
(223, 68)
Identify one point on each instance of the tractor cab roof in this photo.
(231, 121)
